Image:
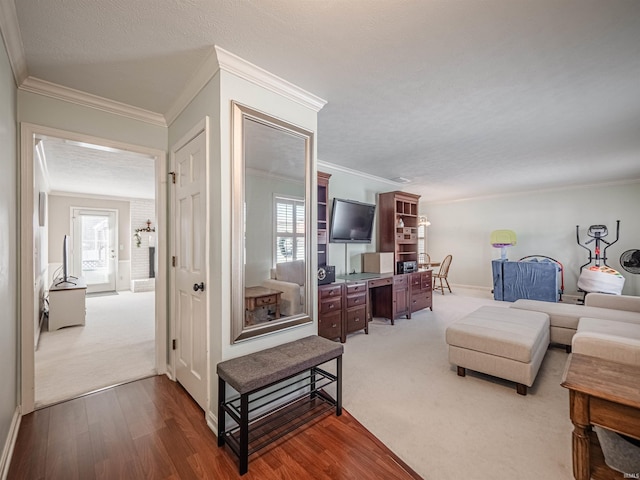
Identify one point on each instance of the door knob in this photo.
(199, 286)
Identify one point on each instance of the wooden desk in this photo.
(602, 393)
(260, 297)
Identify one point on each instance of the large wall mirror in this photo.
(271, 218)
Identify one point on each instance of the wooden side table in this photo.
(602, 393)
(260, 297)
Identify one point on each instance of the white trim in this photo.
(533, 191)
(220, 59)
(12, 437)
(10, 31)
(71, 95)
(212, 422)
(243, 69)
(28, 132)
(321, 164)
(97, 196)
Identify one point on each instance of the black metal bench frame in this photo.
(264, 415)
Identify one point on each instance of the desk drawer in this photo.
(330, 291)
(356, 319)
(331, 305)
(418, 302)
(400, 281)
(356, 288)
(379, 282)
(266, 300)
(329, 326)
(355, 300)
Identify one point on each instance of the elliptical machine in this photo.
(597, 234)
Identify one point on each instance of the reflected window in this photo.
(289, 228)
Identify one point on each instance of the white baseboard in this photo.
(7, 451)
(212, 422)
(471, 287)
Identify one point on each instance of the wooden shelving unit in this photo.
(323, 217)
(398, 225)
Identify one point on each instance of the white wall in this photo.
(214, 100)
(141, 211)
(545, 224)
(8, 252)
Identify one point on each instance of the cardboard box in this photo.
(378, 262)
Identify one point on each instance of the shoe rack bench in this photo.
(278, 390)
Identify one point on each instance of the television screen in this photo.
(351, 221)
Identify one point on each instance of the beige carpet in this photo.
(116, 345)
(400, 385)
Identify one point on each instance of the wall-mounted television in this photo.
(351, 221)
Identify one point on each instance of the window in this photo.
(289, 228)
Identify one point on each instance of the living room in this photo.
(541, 194)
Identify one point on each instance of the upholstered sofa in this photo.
(565, 318)
(289, 278)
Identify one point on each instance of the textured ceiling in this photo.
(85, 169)
(465, 98)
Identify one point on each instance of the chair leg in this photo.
(448, 286)
(441, 287)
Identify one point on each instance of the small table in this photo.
(260, 297)
(602, 393)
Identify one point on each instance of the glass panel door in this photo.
(94, 248)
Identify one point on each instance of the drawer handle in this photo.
(331, 305)
(334, 325)
(357, 319)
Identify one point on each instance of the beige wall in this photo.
(60, 225)
(545, 224)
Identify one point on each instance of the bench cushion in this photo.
(502, 332)
(256, 370)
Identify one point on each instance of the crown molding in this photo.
(532, 191)
(220, 59)
(10, 32)
(358, 173)
(53, 90)
(233, 64)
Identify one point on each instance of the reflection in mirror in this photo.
(271, 224)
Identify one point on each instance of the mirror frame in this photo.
(239, 332)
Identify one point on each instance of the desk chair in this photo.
(442, 274)
(424, 260)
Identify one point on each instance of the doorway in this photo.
(94, 248)
(95, 257)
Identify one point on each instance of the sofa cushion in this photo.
(567, 315)
(608, 339)
(501, 332)
(292, 272)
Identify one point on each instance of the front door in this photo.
(94, 248)
(191, 267)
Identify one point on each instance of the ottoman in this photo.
(503, 342)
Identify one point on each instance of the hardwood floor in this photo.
(152, 429)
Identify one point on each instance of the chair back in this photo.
(444, 267)
(424, 259)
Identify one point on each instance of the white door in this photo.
(190, 269)
(94, 248)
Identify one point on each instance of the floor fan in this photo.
(630, 261)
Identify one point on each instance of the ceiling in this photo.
(464, 98)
